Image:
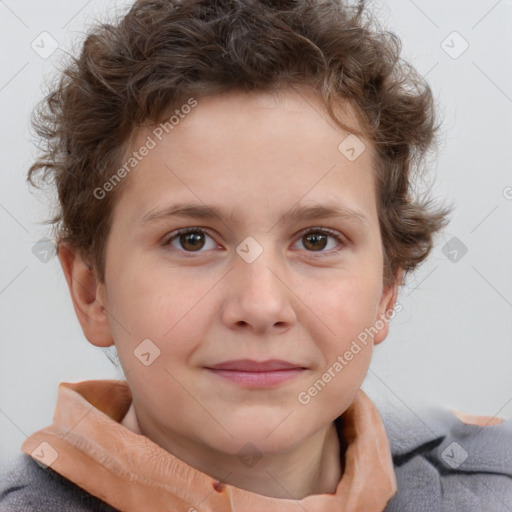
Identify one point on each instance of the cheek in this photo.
(348, 306)
(170, 312)
(147, 300)
(343, 337)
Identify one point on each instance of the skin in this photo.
(259, 155)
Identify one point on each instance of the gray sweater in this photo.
(441, 465)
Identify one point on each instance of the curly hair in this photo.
(134, 72)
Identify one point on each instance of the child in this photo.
(279, 140)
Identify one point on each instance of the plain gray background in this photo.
(452, 343)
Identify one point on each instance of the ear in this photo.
(385, 308)
(87, 295)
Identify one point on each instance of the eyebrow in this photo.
(201, 211)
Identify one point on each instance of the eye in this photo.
(189, 240)
(317, 239)
(193, 240)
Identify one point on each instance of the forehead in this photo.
(253, 152)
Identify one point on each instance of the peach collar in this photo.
(88, 445)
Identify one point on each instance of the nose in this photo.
(257, 298)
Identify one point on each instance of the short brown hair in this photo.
(137, 70)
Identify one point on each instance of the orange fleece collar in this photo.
(89, 446)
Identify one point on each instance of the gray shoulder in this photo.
(27, 486)
(445, 465)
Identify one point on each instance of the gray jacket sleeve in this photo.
(27, 486)
(445, 465)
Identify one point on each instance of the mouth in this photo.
(255, 374)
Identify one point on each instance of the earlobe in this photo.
(385, 309)
(83, 287)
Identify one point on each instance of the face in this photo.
(268, 276)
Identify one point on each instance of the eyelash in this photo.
(192, 254)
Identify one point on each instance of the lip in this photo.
(249, 365)
(257, 374)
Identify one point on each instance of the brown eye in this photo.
(320, 240)
(315, 241)
(192, 241)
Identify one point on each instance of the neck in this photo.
(314, 467)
